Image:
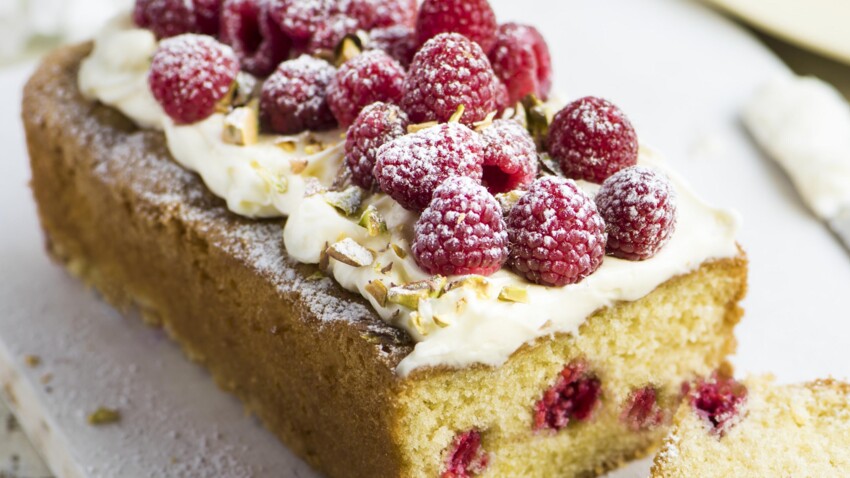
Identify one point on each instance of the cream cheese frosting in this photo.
(803, 123)
(466, 322)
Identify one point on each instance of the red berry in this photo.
(465, 457)
(447, 72)
(592, 139)
(380, 13)
(574, 396)
(411, 167)
(398, 41)
(368, 77)
(557, 235)
(301, 18)
(208, 16)
(331, 32)
(641, 411)
(520, 58)
(376, 125)
(638, 205)
(510, 157)
(257, 40)
(293, 98)
(473, 19)
(165, 18)
(191, 73)
(718, 400)
(461, 231)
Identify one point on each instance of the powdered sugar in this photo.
(294, 96)
(369, 77)
(510, 157)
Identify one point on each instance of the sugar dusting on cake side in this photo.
(364, 239)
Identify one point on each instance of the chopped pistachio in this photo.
(404, 296)
(350, 46)
(316, 276)
(245, 89)
(287, 145)
(324, 259)
(32, 360)
(416, 321)
(297, 166)
(372, 220)
(478, 284)
(346, 201)
(104, 416)
(276, 182)
(455, 118)
(242, 125)
(313, 186)
(378, 290)
(386, 269)
(413, 128)
(549, 165)
(460, 305)
(313, 146)
(351, 253)
(514, 294)
(485, 123)
(440, 322)
(537, 118)
(399, 251)
(508, 200)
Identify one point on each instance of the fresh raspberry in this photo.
(368, 77)
(208, 16)
(473, 19)
(557, 235)
(166, 18)
(465, 457)
(461, 231)
(257, 40)
(574, 396)
(520, 58)
(641, 411)
(510, 157)
(191, 73)
(411, 167)
(398, 41)
(718, 400)
(377, 124)
(638, 205)
(592, 139)
(331, 32)
(301, 18)
(503, 98)
(293, 98)
(447, 72)
(381, 13)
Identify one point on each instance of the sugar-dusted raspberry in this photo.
(447, 72)
(638, 205)
(376, 125)
(465, 457)
(510, 157)
(368, 77)
(574, 396)
(191, 73)
(331, 32)
(301, 18)
(294, 97)
(520, 58)
(380, 13)
(398, 41)
(557, 236)
(641, 410)
(166, 18)
(411, 167)
(718, 400)
(461, 231)
(208, 16)
(257, 40)
(592, 139)
(473, 19)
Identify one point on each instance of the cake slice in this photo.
(759, 429)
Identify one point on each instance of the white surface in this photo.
(680, 72)
(820, 25)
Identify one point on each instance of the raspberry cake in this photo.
(757, 428)
(469, 280)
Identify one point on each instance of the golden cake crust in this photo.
(312, 360)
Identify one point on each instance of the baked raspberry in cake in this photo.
(757, 428)
(394, 275)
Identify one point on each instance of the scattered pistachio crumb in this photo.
(316, 276)
(32, 360)
(399, 251)
(514, 294)
(104, 416)
(378, 290)
(413, 128)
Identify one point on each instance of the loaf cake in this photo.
(408, 310)
(759, 429)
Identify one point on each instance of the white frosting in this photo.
(463, 326)
(804, 125)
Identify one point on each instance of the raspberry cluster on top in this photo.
(419, 98)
